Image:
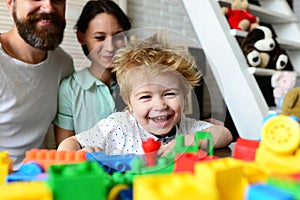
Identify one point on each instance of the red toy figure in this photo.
(239, 17)
(151, 147)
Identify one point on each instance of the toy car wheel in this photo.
(281, 134)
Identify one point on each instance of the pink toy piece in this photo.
(282, 82)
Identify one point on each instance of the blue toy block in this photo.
(126, 194)
(265, 191)
(31, 171)
(112, 163)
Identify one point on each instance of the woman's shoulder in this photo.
(72, 80)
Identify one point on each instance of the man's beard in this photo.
(43, 38)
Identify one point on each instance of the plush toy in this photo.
(282, 82)
(291, 103)
(263, 51)
(239, 17)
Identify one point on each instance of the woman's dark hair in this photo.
(95, 7)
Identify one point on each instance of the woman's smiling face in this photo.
(157, 101)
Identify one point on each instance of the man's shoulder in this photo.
(59, 51)
(64, 60)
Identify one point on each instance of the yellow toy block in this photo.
(255, 173)
(25, 191)
(226, 175)
(276, 163)
(172, 186)
(5, 166)
(278, 151)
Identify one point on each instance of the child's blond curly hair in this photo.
(153, 56)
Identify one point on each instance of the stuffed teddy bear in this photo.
(263, 51)
(239, 17)
(282, 82)
(291, 103)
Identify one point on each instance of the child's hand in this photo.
(166, 148)
(92, 149)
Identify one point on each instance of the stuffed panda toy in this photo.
(263, 51)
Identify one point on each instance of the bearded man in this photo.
(31, 67)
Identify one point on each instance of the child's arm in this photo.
(222, 137)
(61, 134)
(71, 143)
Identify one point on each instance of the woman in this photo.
(87, 96)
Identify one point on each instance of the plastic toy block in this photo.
(86, 180)
(276, 163)
(164, 165)
(112, 163)
(122, 178)
(126, 194)
(26, 191)
(172, 186)
(281, 135)
(30, 171)
(114, 192)
(180, 146)
(46, 157)
(264, 191)
(150, 147)
(5, 166)
(286, 183)
(278, 151)
(245, 149)
(225, 174)
(255, 173)
(186, 161)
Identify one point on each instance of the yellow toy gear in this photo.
(281, 134)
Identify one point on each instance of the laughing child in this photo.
(155, 76)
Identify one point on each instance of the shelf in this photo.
(285, 44)
(266, 15)
(264, 72)
(288, 45)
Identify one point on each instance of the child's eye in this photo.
(100, 38)
(145, 97)
(170, 94)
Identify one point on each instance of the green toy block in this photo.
(87, 180)
(180, 146)
(286, 184)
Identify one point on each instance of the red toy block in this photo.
(245, 149)
(151, 147)
(185, 162)
(46, 157)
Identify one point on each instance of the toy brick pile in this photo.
(264, 169)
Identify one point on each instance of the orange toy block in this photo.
(46, 157)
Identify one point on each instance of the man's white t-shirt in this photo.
(28, 100)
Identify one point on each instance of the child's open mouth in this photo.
(160, 120)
